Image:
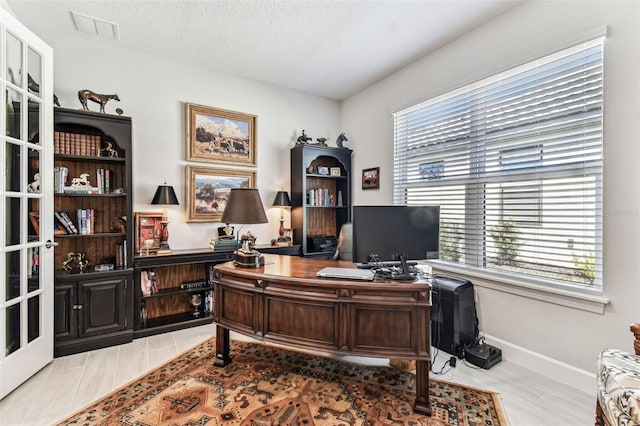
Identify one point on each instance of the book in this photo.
(67, 219)
(63, 222)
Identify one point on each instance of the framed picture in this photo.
(208, 191)
(322, 170)
(335, 171)
(371, 178)
(220, 136)
(148, 232)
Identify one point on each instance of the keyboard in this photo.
(385, 264)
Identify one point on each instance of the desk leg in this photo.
(422, 405)
(222, 347)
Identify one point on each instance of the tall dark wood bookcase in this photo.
(320, 196)
(93, 308)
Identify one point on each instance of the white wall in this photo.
(153, 92)
(540, 331)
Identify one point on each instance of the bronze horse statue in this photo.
(87, 95)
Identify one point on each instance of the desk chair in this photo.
(618, 393)
(344, 251)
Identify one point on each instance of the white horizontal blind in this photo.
(515, 162)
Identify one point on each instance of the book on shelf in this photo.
(60, 174)
(80, 144)
(68, 221)
(63, 222)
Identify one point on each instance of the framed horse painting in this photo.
(220, 136)
(208, 191)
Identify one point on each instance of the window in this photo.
(515, 163)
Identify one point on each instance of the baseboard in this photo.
(582, 380)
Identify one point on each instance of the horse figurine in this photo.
(322, 141)
(87, 95)
(341, 138)
(35, 185)
(303, 138)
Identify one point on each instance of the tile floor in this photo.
(69, 383)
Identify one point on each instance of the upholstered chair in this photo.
(618, 375)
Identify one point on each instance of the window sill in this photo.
(590, 301)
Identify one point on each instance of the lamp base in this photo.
(164, 249)
(248, 259)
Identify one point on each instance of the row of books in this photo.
(105, 182)
(85, 220)
(76, 144)
(121, 254)
(148, 282)
(320, 197)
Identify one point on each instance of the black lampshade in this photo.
(282, 199)
(244, 207)
(165, 195)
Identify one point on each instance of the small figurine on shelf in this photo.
(108, 151)
(322, 141)
(248, 240)
(302, 139)
(35, 185)
(119, 224)
(83, 262)
(67, 264)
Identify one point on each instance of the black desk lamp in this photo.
(165, 196)
(245, 207)
(282, 200)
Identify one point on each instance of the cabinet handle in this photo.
(76, 307)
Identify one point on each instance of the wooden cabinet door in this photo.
(103, 306)
(65, 318)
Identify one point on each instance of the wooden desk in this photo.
(285, 303)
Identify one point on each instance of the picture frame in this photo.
(208, 190)
(148, 232)
(323, 170)
(217, 135)
(335, 171)
(371, 178)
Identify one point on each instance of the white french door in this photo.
(26, 204)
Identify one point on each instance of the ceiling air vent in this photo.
(95, 26)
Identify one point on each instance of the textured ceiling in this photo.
(329, 48)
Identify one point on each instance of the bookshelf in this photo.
(320, 197)
(166, 305)
(93, 303)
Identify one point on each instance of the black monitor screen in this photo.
(391, 231)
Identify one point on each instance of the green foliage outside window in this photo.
(505, 236)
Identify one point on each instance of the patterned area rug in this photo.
(266, 385)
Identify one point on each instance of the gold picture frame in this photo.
(220, 136)
(148, 228)
(208, 190)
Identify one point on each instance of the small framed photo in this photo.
(335, 171)
(371, 178)
(322, 170)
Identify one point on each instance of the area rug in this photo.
(267, 385)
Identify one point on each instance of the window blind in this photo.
(515, 163)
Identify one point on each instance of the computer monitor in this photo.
(389, 232)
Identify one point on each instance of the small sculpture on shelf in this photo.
(77, 261)
(119, 224)
(109, 151)
(83, 262)
(302, 139)
(322, 141)
(81, 182)
(35, 185)
(341, 139)
(88, 95)
(248, 240)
